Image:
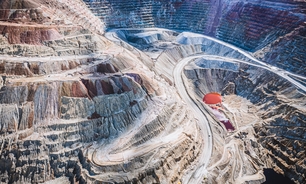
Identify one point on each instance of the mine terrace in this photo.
(152, 91)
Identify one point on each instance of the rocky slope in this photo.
(287, 52)
(275, 131)
(77, 108)
(249, 25)
(68, 96)
(254, 98)
(275, 29)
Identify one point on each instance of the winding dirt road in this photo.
(203, 123)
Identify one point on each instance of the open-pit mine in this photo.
(153, 91)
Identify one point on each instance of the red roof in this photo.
(212, 98)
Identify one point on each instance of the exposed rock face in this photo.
(270, 96)
(67, 94)
(78, 43)
(49, 12)
(76, 108)
(42, 23)
(249, 25)
(287, 52)
(28, 35)
(54, 121)
(255, 97)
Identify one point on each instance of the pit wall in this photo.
(211, 46)
(33, 28)
(44, 125)
(168, 169)
(190, 45)
(282, 134)
(248, 25)
(49, 13)
(287, 52)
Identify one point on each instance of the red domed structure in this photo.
(212, 98)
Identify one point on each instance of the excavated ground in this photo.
(76, 108)
(257, 102)
(267, 111)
